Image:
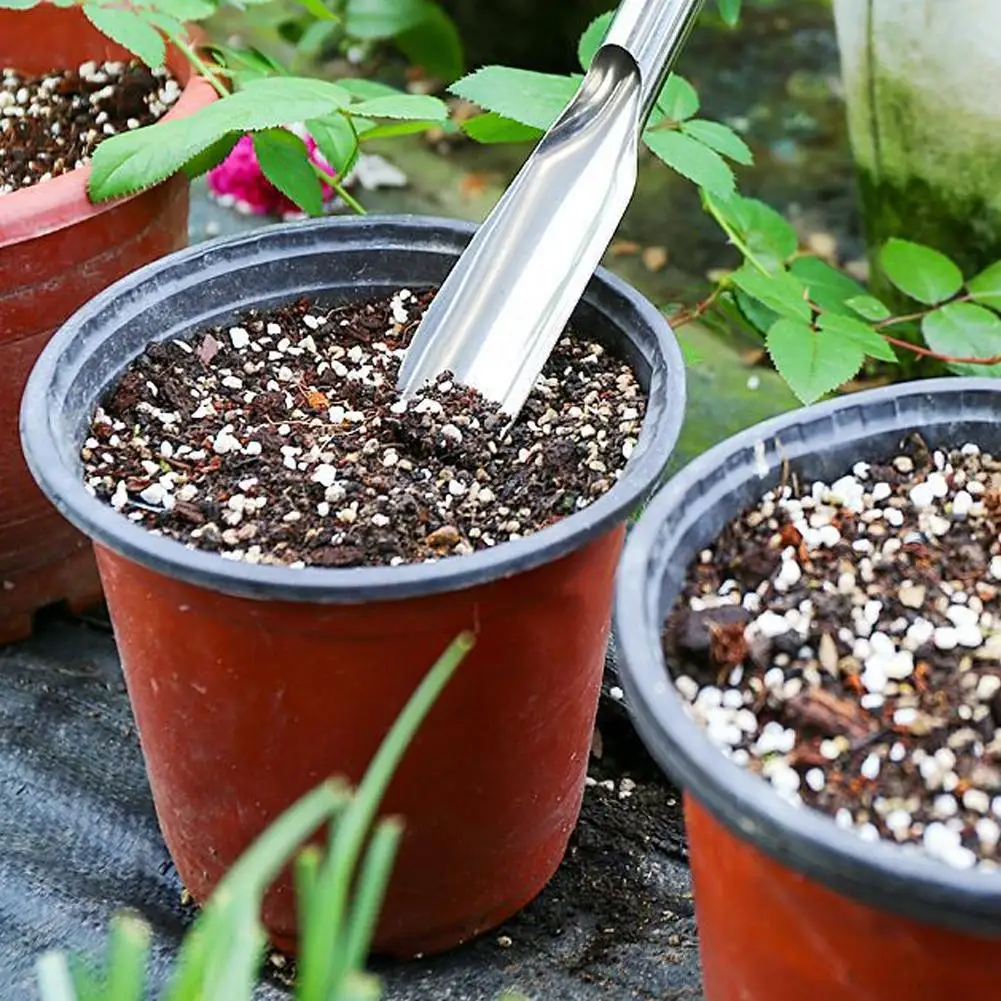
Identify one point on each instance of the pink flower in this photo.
(239, 181)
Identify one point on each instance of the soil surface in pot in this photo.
(844, 642)
(281, 439)
(51, 124)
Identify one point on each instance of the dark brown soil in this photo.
(845, 643)
(51, 124)
(281, 440)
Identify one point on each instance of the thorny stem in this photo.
(203, 67)
(342, 192)
(697, 311)
(948, 359)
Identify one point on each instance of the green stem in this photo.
(734, 238)
(199, 64)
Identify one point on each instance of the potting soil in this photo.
(844, 642)
(52, 123)
(281, 439)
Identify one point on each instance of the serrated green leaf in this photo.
(986, 287)
(754, 312)
(493, 128)
(829, 288)
(190, 10)
(130, 30)
(132, 161)
(594, 35)
(364, 90)
(964, 330)
(315, 37)
(434, 44)
(781, 292)
(414, 106)
(678, 100)
(528, 97)
(720, 138)
(390, 130)
(18, 4)
(868, 307)
(374, 19)
(284, 161)
(812, 362)
(729, 10)
(245, 65)
(691, 159)
(920, 272)
(763, 231)
(853, 331)
(211, 156)
(336, 140)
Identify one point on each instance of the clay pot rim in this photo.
(685, 516)
(62, 201)
(60, 478)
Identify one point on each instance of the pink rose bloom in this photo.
(240, 182)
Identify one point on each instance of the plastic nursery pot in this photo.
(789, 906)
(251, 683)
(56, 251)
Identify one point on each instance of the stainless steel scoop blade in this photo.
(502, 308)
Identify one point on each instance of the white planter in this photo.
(923, 86)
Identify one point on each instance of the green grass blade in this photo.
(127, 952)
(371, 889)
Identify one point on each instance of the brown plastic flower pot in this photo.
(56, 251)
(790, 907)
(251, 683)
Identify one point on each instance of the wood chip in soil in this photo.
(52, 123)
(280, 439)
(843, 641)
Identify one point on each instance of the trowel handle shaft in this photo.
(652, 32)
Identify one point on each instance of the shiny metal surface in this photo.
(503, 306)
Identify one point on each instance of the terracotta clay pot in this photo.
(56, 251)
(789, 906)
(251, 683)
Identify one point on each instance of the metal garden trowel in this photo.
(504, 305)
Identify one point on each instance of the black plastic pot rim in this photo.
(63, 484)
(890, 877)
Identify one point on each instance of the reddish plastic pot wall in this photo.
(249, 704)
(56, 251)
(768, 933)
(790, 907)
(252, 683)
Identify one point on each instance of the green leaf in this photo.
(869, 307)
(729, 10)
(781, 292)
(986, 287)
(434, 44)
(391, 129)
(130, 30)
(191, 10)
(679, 100)
(759, 316)
(336, 140)
(812, 362)
(318, 9)
(316, 36)
(853, 331)
(693, 160)
(528, 97)
(964, 330)
(413, 106)
(592, 38)
(245, 65)
(284, 161)
(364, 90)
(211, 156)
(131, 161)
(764, 232)
(829, 288)
(920, 272)
(493, 128)
(720, 138)
(373, 19)
(18, 4)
